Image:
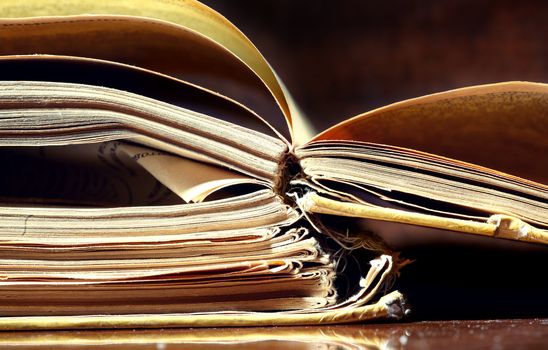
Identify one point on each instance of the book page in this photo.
(63, 113)
(387, 183)
(191, 21)
(108, 174)
(189, 179)
(184, 56)
(225, 219)
(87, 175)
(499, 126)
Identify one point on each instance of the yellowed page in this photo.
(358, 309)
(188, 14)
(501, 226)
(147, 121)
(386, 307)
(499, 126)
(189, 179)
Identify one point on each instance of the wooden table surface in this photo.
(485, 334)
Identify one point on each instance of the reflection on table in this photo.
(495, 334)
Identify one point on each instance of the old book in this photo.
(157, 173)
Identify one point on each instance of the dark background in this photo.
(341, 58)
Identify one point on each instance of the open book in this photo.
(156, 172)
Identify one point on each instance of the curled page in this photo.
(497, 225)
(188, 15)
(191, 180)
(356, 309)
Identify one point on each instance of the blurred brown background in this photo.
(341, 58)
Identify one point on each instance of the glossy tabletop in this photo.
(486, 334)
